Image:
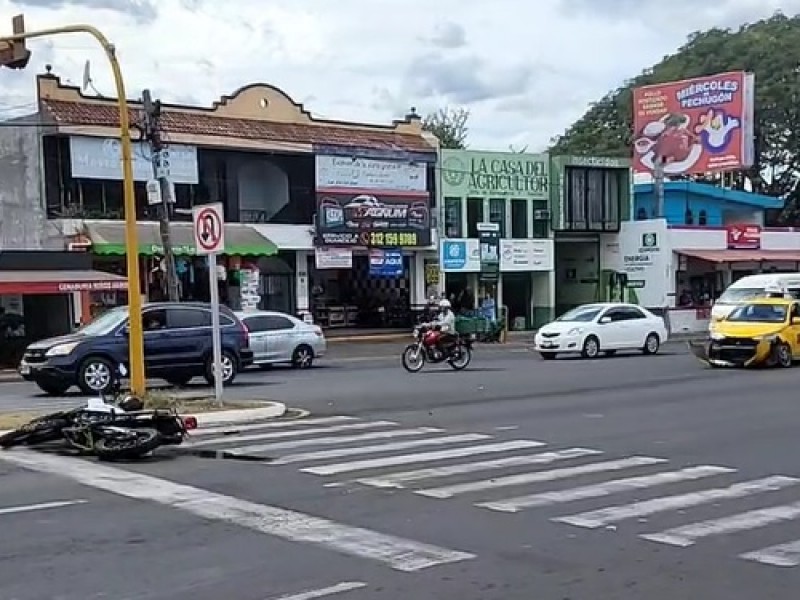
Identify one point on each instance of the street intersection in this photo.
(626, 477)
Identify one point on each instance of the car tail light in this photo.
(189, 422)
(246, 333)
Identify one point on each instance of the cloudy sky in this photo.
(525, 69)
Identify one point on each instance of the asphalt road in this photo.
(623, 478)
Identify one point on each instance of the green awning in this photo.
(240, 239)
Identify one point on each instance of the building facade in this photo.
(512, 192)
(272, 166)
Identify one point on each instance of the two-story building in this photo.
(709, 237)
(283, 176)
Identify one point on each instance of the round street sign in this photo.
(209, 229)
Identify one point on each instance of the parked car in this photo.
(277, 338)
(177, 347)
(592, 329)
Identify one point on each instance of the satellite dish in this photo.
(87, 75)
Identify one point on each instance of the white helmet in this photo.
(444, 303)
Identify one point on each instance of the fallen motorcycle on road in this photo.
(104, 430)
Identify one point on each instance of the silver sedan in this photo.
(277, 338)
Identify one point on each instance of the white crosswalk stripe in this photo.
(374, 454)
(540, 476)
(604, 516)
(604, 489)
(399, 480)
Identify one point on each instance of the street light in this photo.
(14, 55)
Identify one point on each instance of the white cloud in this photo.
(525, 70)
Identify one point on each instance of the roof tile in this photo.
(67, 113)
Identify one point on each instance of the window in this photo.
(541, 226)
(189, 318)
(593, 199)
(702, 218)
(576, 198)
(256, 324)
(612, 198)
(154, 320)
(632, 313)
(277, 323)
(497, 214)
(452, 217)
(474, 216)
(519, 218)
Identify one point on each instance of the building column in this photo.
(301, 285)
(416, 277)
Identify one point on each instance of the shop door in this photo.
(277, 293)
(517, 297)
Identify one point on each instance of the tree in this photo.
(449, 125)
(768, 48)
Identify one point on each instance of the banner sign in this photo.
(386, 263)
(695, 126)
(343, 173)
(743, 237)
(489, 241)
(377, 221)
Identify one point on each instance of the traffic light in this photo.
(14, 54)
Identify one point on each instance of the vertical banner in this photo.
(489, 241)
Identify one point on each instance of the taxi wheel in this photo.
(783, 355)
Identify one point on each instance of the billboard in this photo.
(373, 220)
(695, 126)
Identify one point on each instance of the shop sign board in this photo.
(333, 258)
(526, 255)
(743, 237)
(345, 173)
(647, 260)
(495, 174)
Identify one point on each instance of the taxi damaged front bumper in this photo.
(718, 354)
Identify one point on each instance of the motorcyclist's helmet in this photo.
(131, 403)
(444, 304)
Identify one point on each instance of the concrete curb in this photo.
(272, 410)
(369, 339)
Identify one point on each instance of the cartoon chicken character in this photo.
(715, 129)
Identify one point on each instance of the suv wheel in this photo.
(96, 376)
(230, 368)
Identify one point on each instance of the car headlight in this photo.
(717, 336)
(61, 349)
(766, 338)
(575, 331)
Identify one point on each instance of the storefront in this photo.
(250, 274)
(508, 193)
(373, 237)
(681, 270)
(523, 284)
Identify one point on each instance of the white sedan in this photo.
(276, 338)
(592, 329)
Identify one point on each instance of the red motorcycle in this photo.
(425, 348)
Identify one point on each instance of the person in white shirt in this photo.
(446, 323)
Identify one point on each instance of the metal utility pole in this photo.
(160, 159)
(658, 185)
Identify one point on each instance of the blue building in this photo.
(701, 204)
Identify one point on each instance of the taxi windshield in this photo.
(759, 313)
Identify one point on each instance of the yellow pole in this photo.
(138, 385)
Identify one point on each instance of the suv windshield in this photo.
(758, 313)
(582, 314)
(106, 322)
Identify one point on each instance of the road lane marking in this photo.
(10, 510)
(689, 534)
(398, 480)
(603, 489)
(278, 435)
(399, 553)
(540, 476)
(419, 457)
(781, 555)
(345, 586)
(334, 440)
(222, 429)
(612, 514)
(341, 452)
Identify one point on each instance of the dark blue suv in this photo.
(177, 347)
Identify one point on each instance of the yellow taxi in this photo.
(765, 331)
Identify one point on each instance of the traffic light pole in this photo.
(136, 342)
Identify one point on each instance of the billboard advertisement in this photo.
(695, 126)
(373, 220)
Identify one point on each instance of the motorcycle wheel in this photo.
(38, 431)
(135, 445)
(463, 359)
(413, 358)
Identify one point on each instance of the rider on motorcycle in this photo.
(445, 322)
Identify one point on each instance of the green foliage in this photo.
(449, 125)
(769, 48)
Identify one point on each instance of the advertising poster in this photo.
(743, 237)
(386, 263)
(695, 126)
(489, 243)
(377, 221)
(647, 260)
